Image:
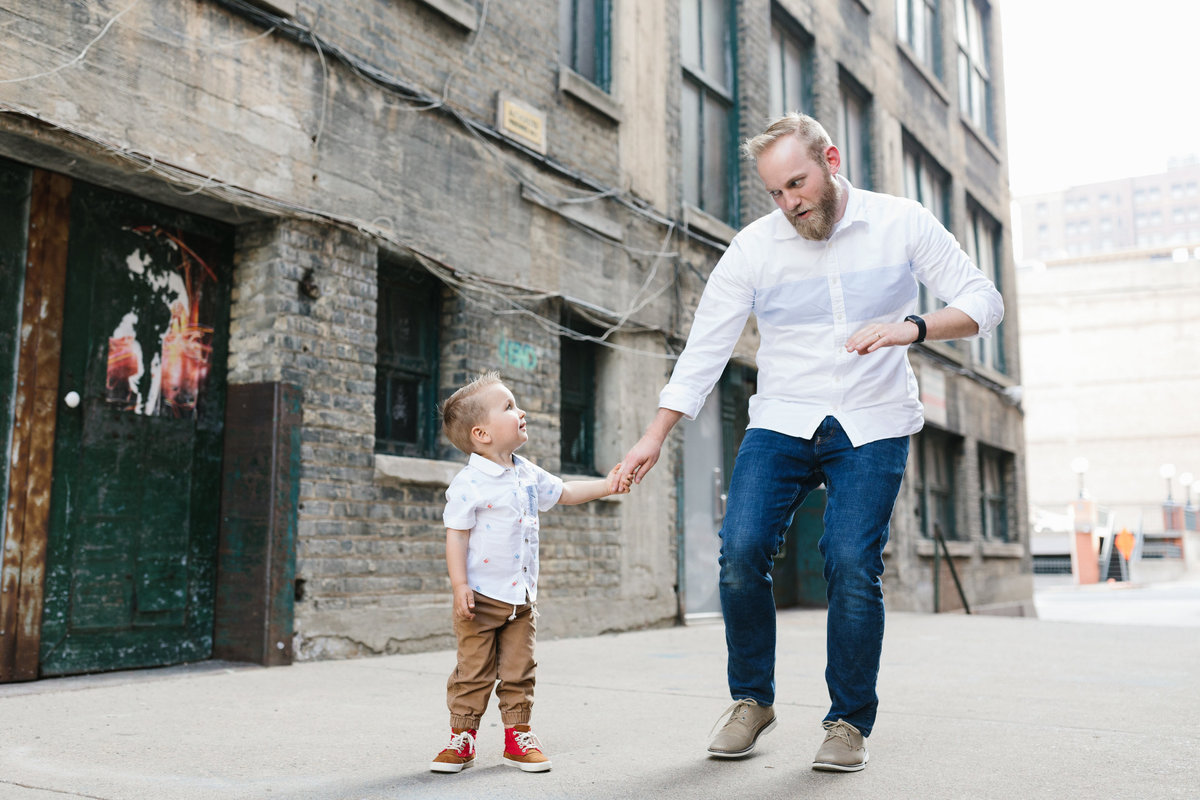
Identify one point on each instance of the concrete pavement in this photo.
(972, 707)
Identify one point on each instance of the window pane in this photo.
(717, 146)
(585, 39)
(692, 128)
(794, 76)
(854, 141)
(689, 34)
(714, 24)
(775, 70)
(577, 398)
(406, 361)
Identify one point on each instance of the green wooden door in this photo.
(130, 575)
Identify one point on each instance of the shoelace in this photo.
(526, 740)
(731, 713)
(839, 729)
(461, 741)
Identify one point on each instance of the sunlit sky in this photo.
(1097, 90)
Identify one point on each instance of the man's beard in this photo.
(818, 225)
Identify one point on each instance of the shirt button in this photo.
(524, 569)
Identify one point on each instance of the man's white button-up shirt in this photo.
(809, 297)
(499, 506)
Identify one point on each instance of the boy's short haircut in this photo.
(463, 411)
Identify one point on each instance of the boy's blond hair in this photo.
(462, 411)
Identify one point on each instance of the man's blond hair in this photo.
(462, 411)
(802, 126)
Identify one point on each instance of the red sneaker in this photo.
(459, 754)
(522, 749)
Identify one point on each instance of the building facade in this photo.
(249, 246)
(1143, 213)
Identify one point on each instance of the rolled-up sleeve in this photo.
(720, 318)
(941, 264)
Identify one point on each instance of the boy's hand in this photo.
(464, 602)
(617, 484)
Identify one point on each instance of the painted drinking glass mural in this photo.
(160, 353)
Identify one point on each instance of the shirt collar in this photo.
(487, 466)
(856, 211)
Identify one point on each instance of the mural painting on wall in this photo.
(168, 280)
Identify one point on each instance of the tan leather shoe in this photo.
(747, 721)
(843, 750)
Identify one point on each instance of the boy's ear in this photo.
(478, 434)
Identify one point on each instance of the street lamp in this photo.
(1168, 472)
(1185, 480)
(1079, 466)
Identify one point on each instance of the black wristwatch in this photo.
(920, 323)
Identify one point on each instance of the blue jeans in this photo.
(771, 477)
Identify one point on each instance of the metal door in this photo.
(703, 509)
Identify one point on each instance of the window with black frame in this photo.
(708, 109)
(585, 36)
(919, 27)
(578, 401)
(995, 467)
(791, 69)
(938, 454)
(406, 370)
(926, 182)
(983, 247)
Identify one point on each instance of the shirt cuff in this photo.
(678, 398)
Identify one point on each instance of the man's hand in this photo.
(637, 462)
(464, 602)
(881, 334)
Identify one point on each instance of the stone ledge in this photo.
(401, 470)
(706, 223)
(572, 83)
(457, 11)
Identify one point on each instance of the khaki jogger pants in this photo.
(493, 648)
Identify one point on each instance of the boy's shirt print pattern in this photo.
(499, 506)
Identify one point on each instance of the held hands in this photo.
(881, 334)
(637, 463)
(464, 602)
(618, 484)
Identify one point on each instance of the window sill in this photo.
(1003, 549)
(933, 80)
(925, 547)
(401, 471)
(572, 83)
(576, 212)
(459, 12)
(707, 223)
(982, 138)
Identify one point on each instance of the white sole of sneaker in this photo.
(826, 766)
(540, 766)
(770, 726)
(438, 766)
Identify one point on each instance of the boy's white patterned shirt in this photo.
(499, 506)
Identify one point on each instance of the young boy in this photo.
(491, 521)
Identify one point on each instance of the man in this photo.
(832, 278)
